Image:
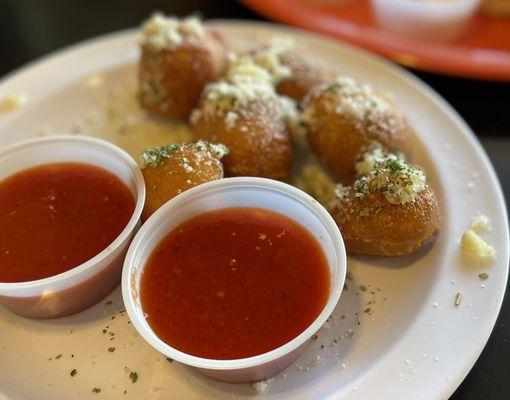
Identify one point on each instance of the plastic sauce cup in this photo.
(226, 193)
(81, 287)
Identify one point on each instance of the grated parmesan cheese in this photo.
(269, 58)
(261, 386)
(370, 110)
(155, 157)
(373, 158)
(398, 181)
(243, 83)
(167, 33)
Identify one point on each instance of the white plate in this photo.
(413, 344)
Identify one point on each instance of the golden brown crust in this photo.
(171, 81)
(186, 167)
(259, 142)
(304, 76)
(373, 226)
(338, 136)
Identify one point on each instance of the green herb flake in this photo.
(96, 390)
(108, 303)
(153, 87)
(483, 276)
(111, 349)
(133, 376)
(73, 372)
(395, 165)
(154, 157)
(363, 288)
(58, 356)
(333, 89)
(169, 360)
(315, 337)
(367, 310)
(365, 212)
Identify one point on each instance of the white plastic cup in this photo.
(81, 287)
(226, 193)
(433, 20)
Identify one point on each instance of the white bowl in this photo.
(226, 193)
(434, 20)
(86, 284)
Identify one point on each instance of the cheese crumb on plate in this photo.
(471, 242)
(13, 101)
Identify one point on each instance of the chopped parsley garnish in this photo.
(133, 376)
(365, 212)
(73, 372)
(111, 349)
(333, 89)
(388, 174)
(363, 288)
(395, 165)
(154, 157)
(153, 87)
(96, 390)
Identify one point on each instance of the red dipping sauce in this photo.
(234, 283)
(54, 217)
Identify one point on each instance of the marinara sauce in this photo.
(54, 217)
(234, 283)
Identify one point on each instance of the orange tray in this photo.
(482, 52)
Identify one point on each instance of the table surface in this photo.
(32, 28)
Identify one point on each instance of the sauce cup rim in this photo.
(10, 288)
(138, 245)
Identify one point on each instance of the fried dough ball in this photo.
(178, 58)
(244, 112)
(170, 170)
(304, 75)
(293, 75)
(343, 117)
(390, 211)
